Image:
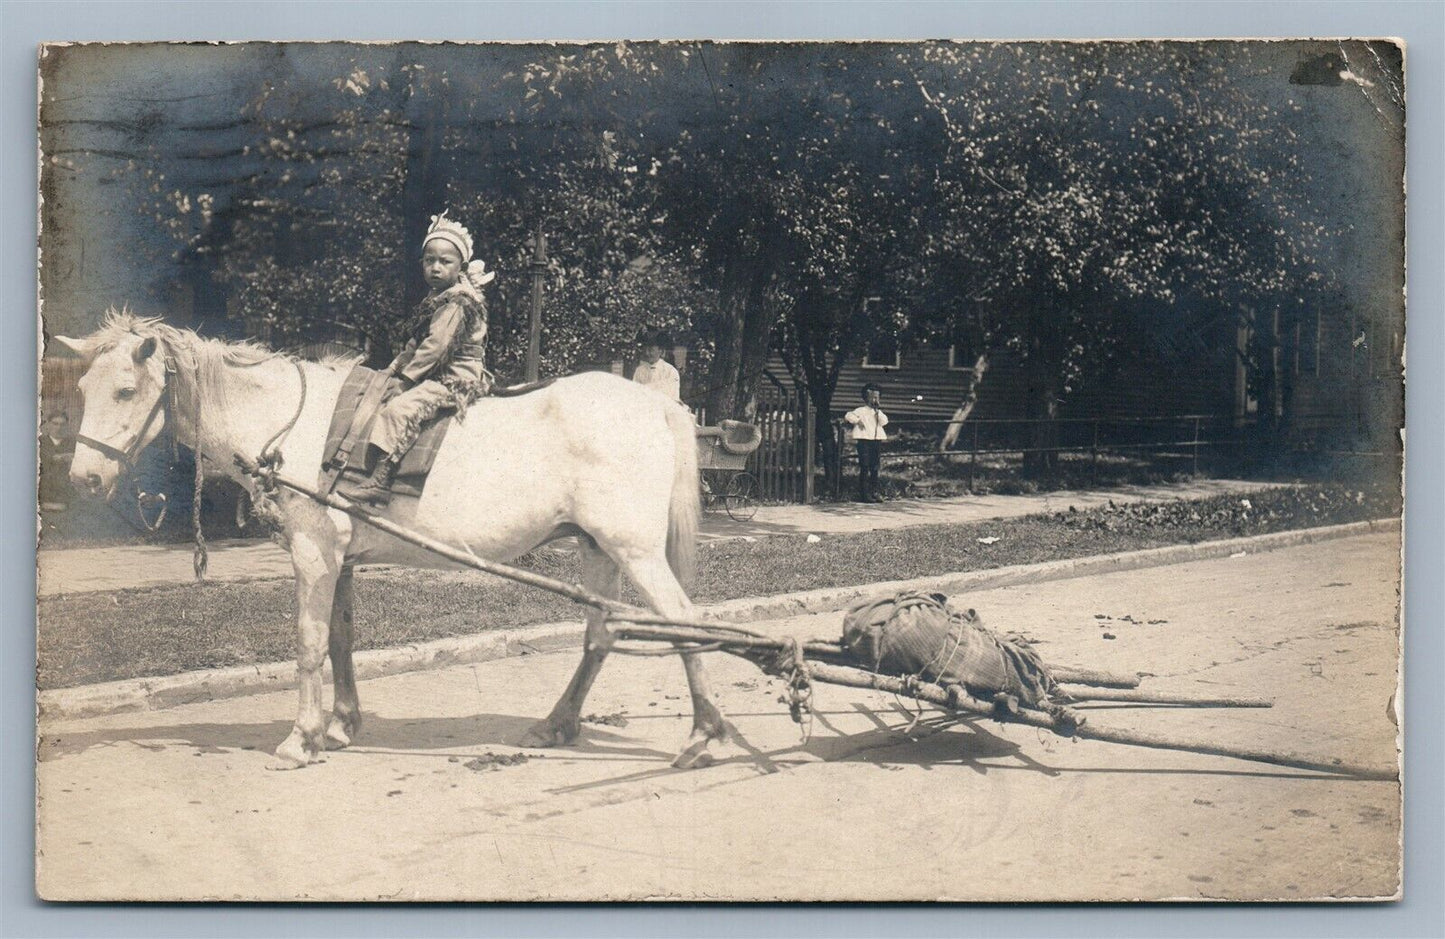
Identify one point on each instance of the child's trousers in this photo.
(867, 468)
(399, 423)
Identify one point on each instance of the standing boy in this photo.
(868, 422)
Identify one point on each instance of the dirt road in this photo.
(880, 802)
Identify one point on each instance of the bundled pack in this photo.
(917, 634)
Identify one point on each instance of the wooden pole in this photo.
(1093, 677)
(1082, 693)
(538, 267)
(1072, 674)
(1196, 446)
(1094, 455)
(810, 448)
(715, 633)
(973, 458)
(956, 699)
(574, 592)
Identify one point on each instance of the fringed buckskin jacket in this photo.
(449, 344)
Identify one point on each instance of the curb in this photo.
(144, 694)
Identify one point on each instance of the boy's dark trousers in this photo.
(867, 469)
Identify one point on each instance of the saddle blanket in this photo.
(414, 465)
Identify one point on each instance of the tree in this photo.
(756, 155)
(319, 240)
(1079, 178)
(1031, 197)
(855, 270)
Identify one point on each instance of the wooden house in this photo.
(919, 383)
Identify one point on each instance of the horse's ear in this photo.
(81, 347)
(146, 349)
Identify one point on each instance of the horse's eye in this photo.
(125, 394)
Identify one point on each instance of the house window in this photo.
(882, 353)
(961, 358)
(1307, 346)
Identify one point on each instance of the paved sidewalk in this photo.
(83, 570)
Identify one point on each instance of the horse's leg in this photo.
(346, 708)
(318, 567)
(657, 584)
(562, 726)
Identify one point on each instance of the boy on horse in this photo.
(442, 365)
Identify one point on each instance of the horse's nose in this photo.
(92, 482)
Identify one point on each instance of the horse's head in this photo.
(124, 395)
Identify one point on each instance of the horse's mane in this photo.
(202, 351)
(205, 353)
(201, 362)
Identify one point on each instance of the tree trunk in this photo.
(757, 337)
(722, 373)
(1042, 460)
(827, 437)
(422, 191)
(965, 408)
(1044, 365)
(739, 357)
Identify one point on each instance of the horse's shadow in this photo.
(931, 744)
(400, 735)
(937, 741)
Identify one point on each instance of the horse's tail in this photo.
(683, 513)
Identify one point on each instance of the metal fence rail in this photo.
(1184, 436)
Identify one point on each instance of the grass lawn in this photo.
(86, 638)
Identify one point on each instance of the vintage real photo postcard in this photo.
(720, 471)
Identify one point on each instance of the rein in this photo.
(270, 454)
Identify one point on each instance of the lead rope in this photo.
(269, 457)
(271, 451)
(199, 556)
(267, 463)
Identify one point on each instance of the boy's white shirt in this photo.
(659, 376)
(868, 423)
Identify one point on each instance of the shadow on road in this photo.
(377, 734)
(932, 742)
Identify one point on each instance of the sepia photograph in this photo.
(706, 471)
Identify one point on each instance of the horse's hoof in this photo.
(281, 762)
(695, 756)
(699, 751)
(707, 745)
(547, 734)
(337, 737)
(294, 754)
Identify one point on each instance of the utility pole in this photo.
(538, 267)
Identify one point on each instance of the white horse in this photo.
(593, 455)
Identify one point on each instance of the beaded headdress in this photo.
(453, 233)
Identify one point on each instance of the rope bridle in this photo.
(126, 458)
(270, 455)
